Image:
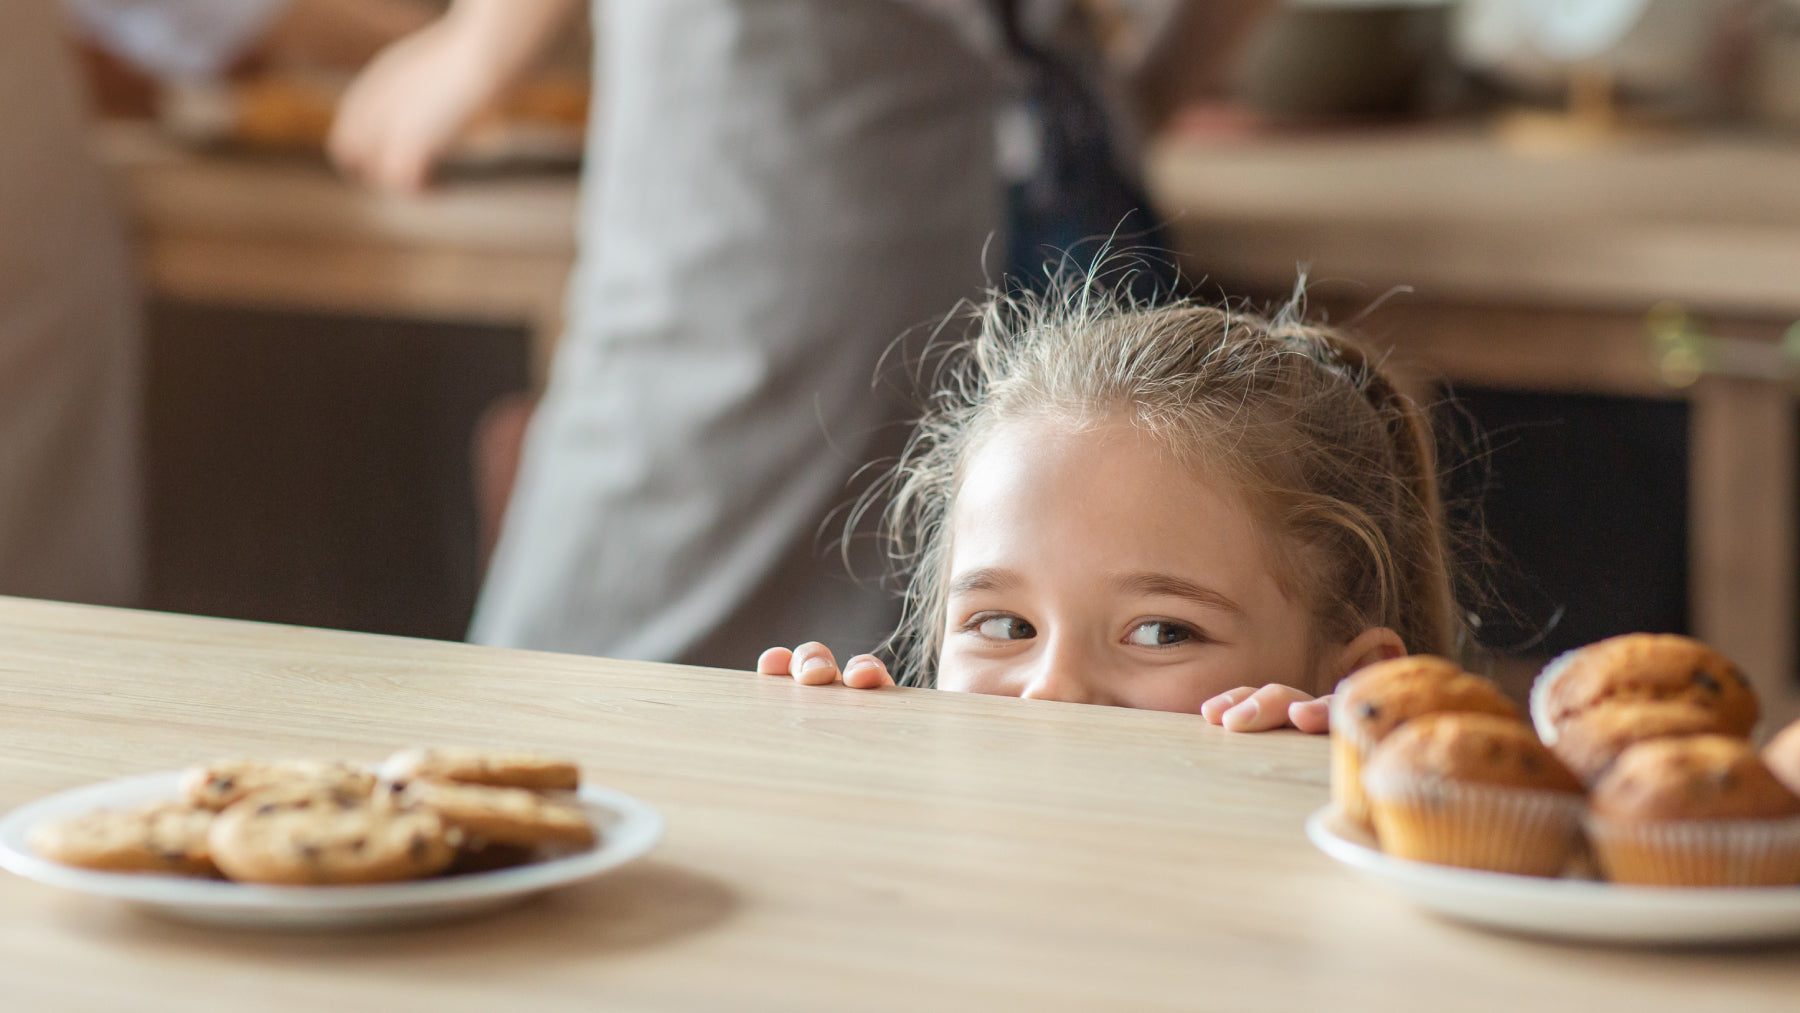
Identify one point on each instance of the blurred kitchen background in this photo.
(1580, 217)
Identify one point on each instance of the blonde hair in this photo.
(1329, 454)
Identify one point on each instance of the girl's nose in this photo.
(1068, 673)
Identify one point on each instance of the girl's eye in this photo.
(1005, 628)
(1161, 633)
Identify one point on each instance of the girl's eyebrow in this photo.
(988, 578)
(1168, 585)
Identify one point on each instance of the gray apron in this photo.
(778, 190)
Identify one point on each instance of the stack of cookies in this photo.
(1640, 753)
(424, 812)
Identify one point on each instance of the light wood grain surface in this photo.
(827, 849)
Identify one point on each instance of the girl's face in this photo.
(1094, 567)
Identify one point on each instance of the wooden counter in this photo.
(1456, 215)
(1533, 270)
(827, 849)
(290, 234)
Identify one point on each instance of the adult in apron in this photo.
(70, 524)
(777, 190)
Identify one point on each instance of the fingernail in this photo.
(816, 661)
(1246, 711)
(860, 661)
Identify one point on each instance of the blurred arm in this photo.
(507, 34)
(404, 111)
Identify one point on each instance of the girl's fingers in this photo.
(775, 661)
(1265, 709)
(865, 671)
(813, 665)
(1214, 710)
(1311, 716)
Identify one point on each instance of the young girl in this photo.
(1177, 508)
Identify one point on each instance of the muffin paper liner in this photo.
(1698, 852)
(1474, 826)
(1540, 695)
(1346, 780)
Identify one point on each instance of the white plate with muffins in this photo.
(432, 835)
(1630, 806)
(1566, 908)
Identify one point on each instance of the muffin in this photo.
(1696, 811)
(1641, 667)
(1592, 740)
(1473, 790)
(1375, 700)
(1782, 757)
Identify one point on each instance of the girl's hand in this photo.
(811, 664)
(1248, 709)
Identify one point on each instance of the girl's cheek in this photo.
(1181, 700)
(952, 677)
(959, 675)
(1183, 690)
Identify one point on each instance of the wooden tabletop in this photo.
(827, 849)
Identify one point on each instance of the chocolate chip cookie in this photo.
(498, 815)
(219, 784)
(327, 840)
(168, 837)
(473, 766)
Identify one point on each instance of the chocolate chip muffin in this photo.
(1696, 811)
(1592, 740)
(1473, 790)
(1374, 701)
(1640, 667)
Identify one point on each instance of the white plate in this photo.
(1566, 908)
(626, 826)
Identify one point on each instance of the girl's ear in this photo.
(1378, 643)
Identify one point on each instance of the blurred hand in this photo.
(811, 664)
(1252, 709)
(407, 108)
(409, 105)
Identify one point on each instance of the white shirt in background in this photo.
(175, 39)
